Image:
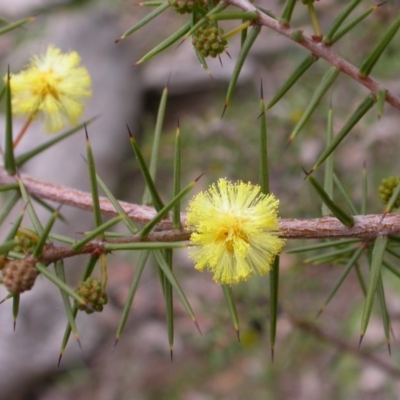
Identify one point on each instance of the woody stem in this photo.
(23, 131)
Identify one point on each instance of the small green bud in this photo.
(208, 40)
(386, 189)
(91, 291)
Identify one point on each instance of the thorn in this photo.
(288, 143)
(178, 125)
(392, 332)
(383, 216)
(261, 94)
(86, 133)
(306, 173)
(118, 40)
(59, 359)
(15, 324)
(115, 343)
(263, 113)
(196, 180)
(197, 326)
(389, 349)
(223, 111)
(171, 354)
(129, 131)
(181, 42)
(79, 343)
(168, 81)
(359, 342)
(227, 52)
(83, 158)
(220, 61)
(238, 335)
(381, 4)
(320, 312)
(272, 354)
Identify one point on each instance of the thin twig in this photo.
(341, 345)
(320, 50)
(366, 227)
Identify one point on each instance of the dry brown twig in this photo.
(320, 50)
(345, 347)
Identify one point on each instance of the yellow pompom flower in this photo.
(235, 231)
(54, 85)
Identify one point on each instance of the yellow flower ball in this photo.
(54, 85)
(236, 231)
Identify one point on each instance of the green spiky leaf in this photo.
(375, 275)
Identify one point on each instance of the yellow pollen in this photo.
(45, 85)
(231, 233)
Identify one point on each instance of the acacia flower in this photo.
(53, 84)
(235, 231)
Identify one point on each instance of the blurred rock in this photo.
(30, 354)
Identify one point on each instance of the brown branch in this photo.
(53, 253)
(320, 50)
(366, 226)
(341, 345)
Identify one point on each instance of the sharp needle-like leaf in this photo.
(328, 176)
(307, 62)
(250, 39)
(350, 264)
(164, 211)
(67, 333)
(156, 200)
(15, 25)
(31, 211)
(325, 83)
(361, 110)
(274, 290)
(344, 217)
(175, 284)
(372, 59)
(98, 220)
(8, 204)
(176, 211)
(60, 273)
(339, 20)
(228, 293)
(155, 13)
(16, 297)
(23, 158)
(287, 11)
(263, 160)
(44, 235)
(375, 274)
(155, 150)
(9, 159)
